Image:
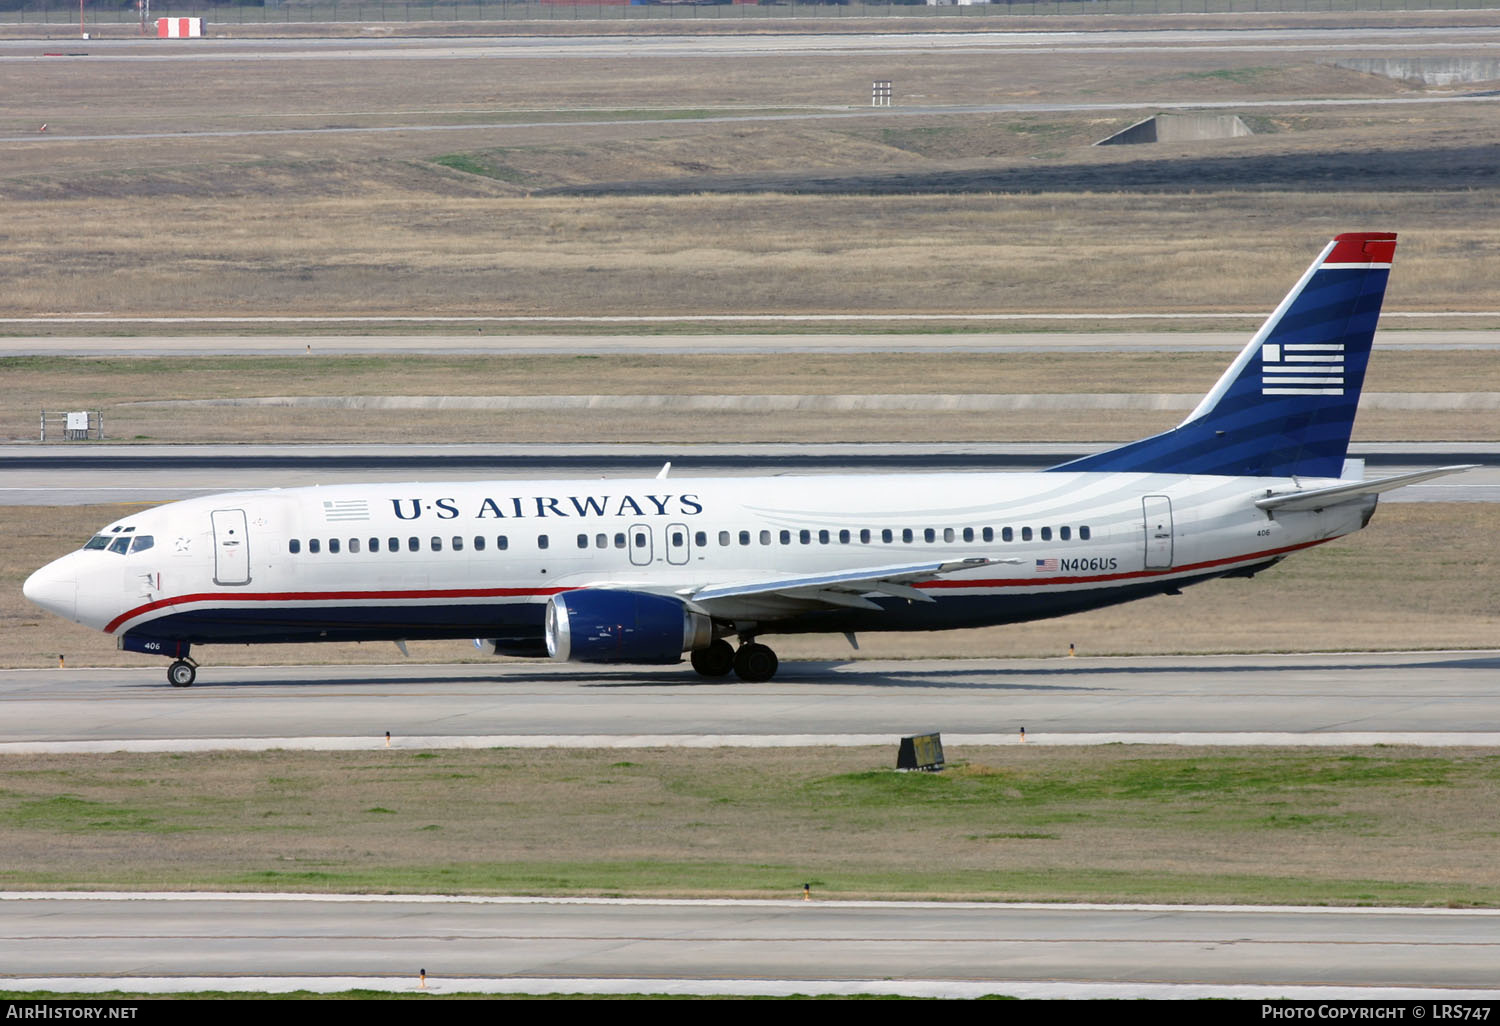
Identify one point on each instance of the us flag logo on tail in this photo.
(1302, 368)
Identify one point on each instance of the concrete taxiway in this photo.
(164, 942)
(1394, 698)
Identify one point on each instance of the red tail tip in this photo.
(1363, 248)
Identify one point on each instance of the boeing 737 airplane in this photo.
(642, 571)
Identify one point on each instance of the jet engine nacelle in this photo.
(596, 625)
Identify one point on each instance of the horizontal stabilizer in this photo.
(1321, 498)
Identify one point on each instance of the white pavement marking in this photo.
(1033, 989)
(1278, 739)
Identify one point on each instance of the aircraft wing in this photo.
(846, 589)
(1319, 498)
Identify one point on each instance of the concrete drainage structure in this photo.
(1179, 128)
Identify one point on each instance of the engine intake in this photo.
(596, 625)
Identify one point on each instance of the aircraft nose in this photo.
(55, 588)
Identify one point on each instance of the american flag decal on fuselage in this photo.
(1302, 368)
(346, 509)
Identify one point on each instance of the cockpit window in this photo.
(142, 543)
(98, 541)
(120, 545)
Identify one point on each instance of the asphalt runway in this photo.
(315, 942)
(1387, 698)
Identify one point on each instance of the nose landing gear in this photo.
(182, 673)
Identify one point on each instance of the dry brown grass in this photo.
(1393, 586)
(370, 224)
(130, 394)
(723, 254)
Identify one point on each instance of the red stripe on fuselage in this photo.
(452, 593)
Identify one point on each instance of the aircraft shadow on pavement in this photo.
(841, 673)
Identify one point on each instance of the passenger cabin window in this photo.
(989, 534)
(314, 546)
(414, 545)
(786, 537)
(864, 536)
(822, 537)
(437, 544)
(458, 543)
(541, 541)
(353, 544)
(393, 544)
(929, 535)
(333, 545)
(374, 544)
(1006, 534)
(1046, 534)
(583, 541)
(1026, 534)
(294, 546)
(700, 538)
(502, 542)
(479, 543)
(744, 537)
(1083, 534)
(1065, 533)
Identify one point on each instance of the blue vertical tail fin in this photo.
(1285, 407)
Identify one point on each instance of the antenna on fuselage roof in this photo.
(665, 467)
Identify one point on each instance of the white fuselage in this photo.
(480, 560)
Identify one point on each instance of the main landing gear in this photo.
(182, 673)
(752, 662)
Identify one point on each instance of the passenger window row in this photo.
(435, 543)
(844, 537)
(888, 536)
(617, 540)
